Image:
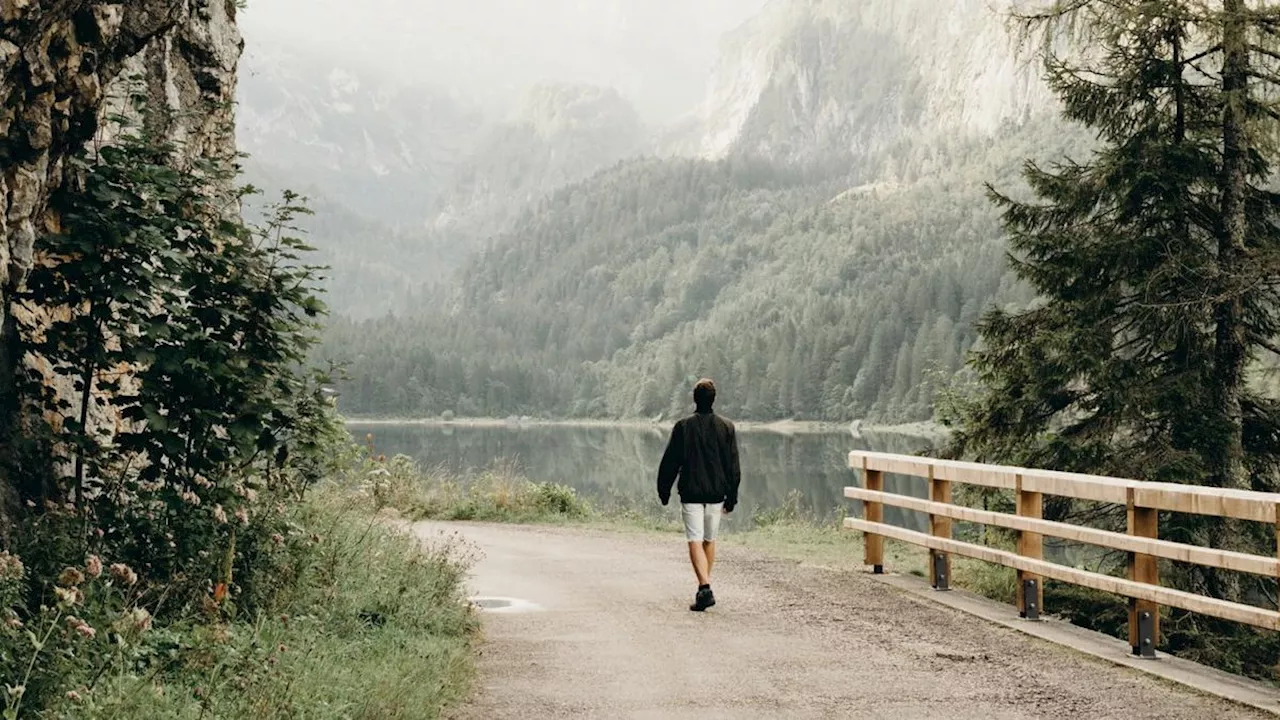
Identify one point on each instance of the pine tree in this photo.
(1155, 262)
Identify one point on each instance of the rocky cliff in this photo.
(808, 78)
(63, 64)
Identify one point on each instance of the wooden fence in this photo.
(1143, 501)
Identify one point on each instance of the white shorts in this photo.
(701, 521)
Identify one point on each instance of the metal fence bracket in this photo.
(1146, 631)
(940, 579)
(1030, 600)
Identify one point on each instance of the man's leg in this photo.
(711, 528)
(694, 520)
(701, 568)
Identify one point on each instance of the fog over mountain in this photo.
(656, 53)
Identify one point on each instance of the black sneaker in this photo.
(703, 600)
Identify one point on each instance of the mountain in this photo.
(817, 237)
(805, 299)
(373, 267)
(406, 181)
(811, 78)
(561, 134)
(386, 149)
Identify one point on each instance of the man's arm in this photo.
(671, 461)
(732, 468)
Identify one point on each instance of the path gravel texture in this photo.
(612, 637)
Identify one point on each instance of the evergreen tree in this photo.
(1155, 262)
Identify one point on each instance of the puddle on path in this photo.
(503, 605)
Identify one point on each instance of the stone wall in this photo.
(64, 65)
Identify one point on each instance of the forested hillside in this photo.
(805, 297)
(815, 235)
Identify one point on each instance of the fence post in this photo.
(939, 561)
(1030, 545)
(1144, 615)
(873, 545)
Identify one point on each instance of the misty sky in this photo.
(658, 53)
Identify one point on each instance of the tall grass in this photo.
(369, 624)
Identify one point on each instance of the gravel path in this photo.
(612, 638)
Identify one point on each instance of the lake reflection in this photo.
(617, 466)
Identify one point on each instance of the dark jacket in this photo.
(703, 452)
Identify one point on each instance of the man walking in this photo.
(703, 453)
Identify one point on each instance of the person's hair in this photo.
(704, 393)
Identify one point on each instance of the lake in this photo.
(617, 466)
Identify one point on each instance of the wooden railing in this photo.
(1143, 500)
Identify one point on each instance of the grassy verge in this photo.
(369, 624)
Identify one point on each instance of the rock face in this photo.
(59, 63)
(63, 63)
(810, 78)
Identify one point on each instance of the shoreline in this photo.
(921, 429)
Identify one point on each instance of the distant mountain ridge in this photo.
(839, 89)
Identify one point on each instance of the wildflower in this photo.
(14, 623)
(124, 574)
(93, 565)
(139, 619)
(250, 494)
(202, 481)
(277, 538)
(10, 567)
(68, 596)
(73, 696)
(190, 498)
(219, 514)
(242, 515)
(283, 648)
(70, 577)
(80, 626)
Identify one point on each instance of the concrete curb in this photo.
(1104, 647)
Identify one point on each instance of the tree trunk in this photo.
(1227, 467)
(1226, 446)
